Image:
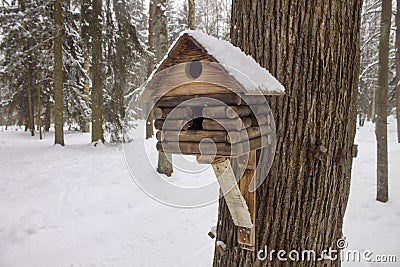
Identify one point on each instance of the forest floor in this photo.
(78, 206)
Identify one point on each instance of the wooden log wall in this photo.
(225, 130)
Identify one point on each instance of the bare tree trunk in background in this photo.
(47, 116)
(161, 48)
(382, 96)
(85, 22)
(313, 49)
(398, 69)
(97, 71)
(58, 87)
(31, 121)
(150, 66)
(191, 15)
(38, 111)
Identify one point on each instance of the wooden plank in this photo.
(234, 137)
(200, 88)
(177, 113)
(234, 111)
(255, 143)
(194, 136)
(237, 111)
(211, 100)
(247, 235)
(236, 203)
(230, 112)
(229, 124)
(173, 124)
(220, 149)
(193, 148)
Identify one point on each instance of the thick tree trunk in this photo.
(150, 66)
(191, 15)
(398, 69)
(58, 87)
(97, 71)
(161, 48)
(382, 96)
(313, 49)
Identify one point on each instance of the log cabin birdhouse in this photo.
(209, 101)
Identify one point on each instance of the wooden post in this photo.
(247, 236)
(236, 203)
(241, 202)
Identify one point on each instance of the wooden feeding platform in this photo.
(209, 101)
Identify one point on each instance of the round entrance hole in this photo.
(194, 69)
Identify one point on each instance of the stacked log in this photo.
(227, 127)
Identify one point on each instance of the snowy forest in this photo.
(72, 73)
(124, 60)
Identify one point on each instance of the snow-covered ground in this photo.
(78, 206)
(371, 225)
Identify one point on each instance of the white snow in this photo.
(78, 206)
(240, 66)
(243, 68)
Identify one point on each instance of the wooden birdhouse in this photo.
(209, 101)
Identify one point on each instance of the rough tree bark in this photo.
(382, 98)
(97, 71)
(398, 69)
(191, 15)
(161, 48)
(150, 66)
(313, 49)
(58, 87)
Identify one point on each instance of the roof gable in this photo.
(242, 69)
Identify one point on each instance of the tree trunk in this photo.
(58, 87)
(47, 116)
(97, 71)
(38, 111)
(161, 48)
(398, 69)
(191, 15)
(382, 96)
(85, 20)
(150, 66)
(313, 49)
(31, 121)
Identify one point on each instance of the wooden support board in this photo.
(236, 203)
(247, 236)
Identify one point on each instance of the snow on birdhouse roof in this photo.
(240, 66)
(254, 79)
